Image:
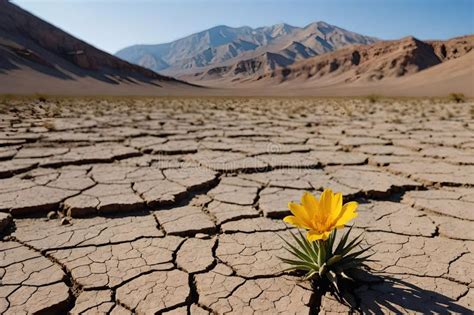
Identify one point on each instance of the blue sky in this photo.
(115, 24)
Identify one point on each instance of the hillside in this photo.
(359, 64)
(454, 75)
(382, 60)
(36, 56)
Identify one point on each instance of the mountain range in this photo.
(283, 44)
(318, 59)
(383, 60)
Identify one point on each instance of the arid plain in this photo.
(172, 205)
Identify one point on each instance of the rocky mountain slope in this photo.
(452, 75)
(34, 50)
(223, 45)
(359, 63)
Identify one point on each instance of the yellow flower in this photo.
(321, 216)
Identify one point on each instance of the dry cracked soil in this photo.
(172, 206)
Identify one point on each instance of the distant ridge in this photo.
(379, 61)
(222, 45)
(361, 64)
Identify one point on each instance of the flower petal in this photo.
(336, 208)
(299, 211)
(348, 213)
(295, 221)
(325, 204)
(315, 236)
(310, 203)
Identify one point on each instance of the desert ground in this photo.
(172, 205)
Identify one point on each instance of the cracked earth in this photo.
(172, 206)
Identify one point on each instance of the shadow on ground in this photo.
(398, 296)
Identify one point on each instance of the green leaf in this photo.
(315, 246)
(366, 258)
(306, 247)
(355, 254)
(334, 259)
(343, 241)
(322, 270)
(318, 258)
(321, 254)
(309, 247)
(352, 244)
(332, 277)
(295, 251)
(330, 243)
(310, 275)
(344, 275)
(296, 262)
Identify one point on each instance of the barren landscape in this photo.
(172, 205)
(318, 59)
(159, 171)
